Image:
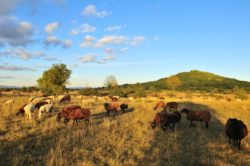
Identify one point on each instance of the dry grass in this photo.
(126, 139)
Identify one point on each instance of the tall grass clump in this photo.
(240, 93)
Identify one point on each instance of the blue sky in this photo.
(136, 41)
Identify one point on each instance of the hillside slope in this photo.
(200, 81)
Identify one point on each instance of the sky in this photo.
(136, 41)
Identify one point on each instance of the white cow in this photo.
(45, 109)
(29, 109)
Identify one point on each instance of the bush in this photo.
(240, 93)
(118, 92)
(88, 92)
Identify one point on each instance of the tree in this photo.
(110, 81)
(55, 79)
(173, 82)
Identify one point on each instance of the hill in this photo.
(197, 81)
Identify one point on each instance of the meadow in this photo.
(126, 139)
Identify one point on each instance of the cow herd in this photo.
(168, 117)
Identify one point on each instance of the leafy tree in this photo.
(173, 82)
(55, 79)
(110, 81)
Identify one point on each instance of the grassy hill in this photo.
(199, 81)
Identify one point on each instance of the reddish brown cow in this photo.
(21, 110)
(113, 98)
(159, 119)
(66, 98)
(75, 114)
(160, 104)
(171, 106)
(114, 106)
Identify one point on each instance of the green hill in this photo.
(199, 81)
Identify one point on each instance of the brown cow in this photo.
(236, 130)
(38, 105)
(115, 99)
(159, 119)
(171, 106)
(21, 110)
(160, 104)
(65, 98)
(75, 114)
(113, 106)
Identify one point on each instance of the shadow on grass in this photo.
(194, 146)
(104, 114)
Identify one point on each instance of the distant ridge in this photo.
(196, 80)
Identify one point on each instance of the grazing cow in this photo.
(38, 105)
(67, 109)
(21, 110)
(29, 109)
(159, 119)
(172, 118)
(64, 98)
(236, 130)
(171, 106)
(75, 114)
(114, 98)
(201, 115)
(124, 107)
(113, 106)
(45, 109)
(160, 104)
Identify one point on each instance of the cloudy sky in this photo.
(134, 41)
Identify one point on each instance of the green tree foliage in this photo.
(55, 79)
(140, 91)
(110, 81)
(89, 92)
(173, 82)
(240, 93)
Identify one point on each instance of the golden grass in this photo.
(126, 139)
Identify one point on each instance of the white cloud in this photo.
(25, 27)
(137, 40)
(108, 50)
(6, 77)
(84, 28)
(54, 41)
(113, 28)
(51, 27)
(67, 43)
(90, 10)
(112, 39)
(109, 57)
(21, 53)
(14, 32)
(88, 58)
(88, 41)
(15, 68)
(50, 58)
(7, 6)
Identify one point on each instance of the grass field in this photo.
(126, 139)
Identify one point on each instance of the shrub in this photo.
(240, 93)
(88, 92)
